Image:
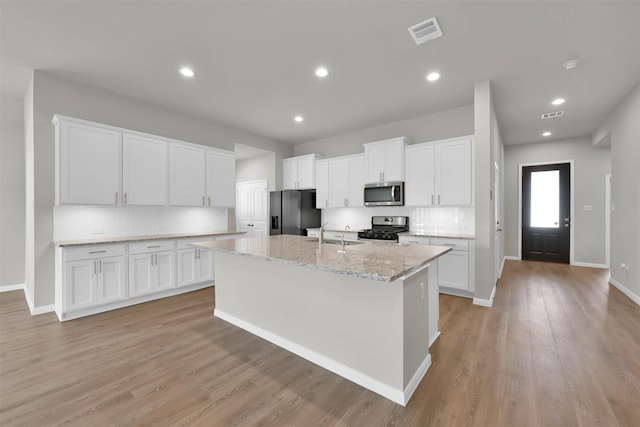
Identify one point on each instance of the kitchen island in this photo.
(367, 311)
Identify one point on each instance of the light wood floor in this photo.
(559, 348)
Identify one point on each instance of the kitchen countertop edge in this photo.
(128, 239)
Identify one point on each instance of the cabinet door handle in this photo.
(209, 200)
(154, 246)
(116, 197)
(125, 198)
(438, 199)
(326, 203)
(97, 252)
(202, 200)
(100, 264)
(95, 267)
(156, 257)
(346, 202)
(432, 199)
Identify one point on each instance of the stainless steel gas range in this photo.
(385, 228)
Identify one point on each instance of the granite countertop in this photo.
(127, 239)
(370, 260)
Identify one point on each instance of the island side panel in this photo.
(416, 326)
(349, 320)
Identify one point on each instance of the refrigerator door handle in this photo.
(274, 222)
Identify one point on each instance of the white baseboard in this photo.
(512, 258)
(486, 302)
(635, 298)
(384, 390)
(434, 338)
(589, 264)
(415, 380)
(8, 288)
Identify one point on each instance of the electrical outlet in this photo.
(624, 267)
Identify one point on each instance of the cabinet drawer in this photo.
(456, 244)
(90, 252)
(419, 240)
(151, 246)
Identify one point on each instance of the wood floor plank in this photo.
(559, 347)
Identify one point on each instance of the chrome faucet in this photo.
(321, 237)
(345, 230)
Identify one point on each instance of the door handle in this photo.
(100, 264)
(209, 200)
(125, 198)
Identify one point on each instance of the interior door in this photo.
(251, 208)
(546, 221)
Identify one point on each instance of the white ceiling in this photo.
(254, 60)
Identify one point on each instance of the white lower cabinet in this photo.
(151, 267)
(94, 276)
(456, 267)
(194, 264)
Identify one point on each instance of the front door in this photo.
(546, 221)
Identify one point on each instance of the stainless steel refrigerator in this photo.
(293, 211)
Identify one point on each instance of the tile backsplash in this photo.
(423, 219)
(86, 222)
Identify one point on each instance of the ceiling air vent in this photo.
(552, 115)
(425, 31)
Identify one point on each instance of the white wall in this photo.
(53, 95)
(622, 128)
(488, 149)
(590, 167)
(258, 168)
(430, 127)
(12, 190)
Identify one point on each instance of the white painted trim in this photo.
(384, 390)
(571, 204)
(512, 258)
(590, 264)
(8, 288)
(415, 380)
(27, 296)
(434, 338)
(43, 309)
(486, 302)
(607, 220)
(455, 292)
(635, 298)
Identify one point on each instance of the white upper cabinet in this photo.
(89, 169)
(104, 165)
(440, 173)
(221, 173)
(385, 160)
(322, 184)
(187, 175)
(453, 177)
(299, 172)
(145, 171)
(357, 170)
(346, 176)
(338, 183)
(420, 176)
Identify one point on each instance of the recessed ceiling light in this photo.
(547, 133)
(187, 72)
(322, 72)
(298, 119)
(558, 101)
(571, 64)
(433, 76)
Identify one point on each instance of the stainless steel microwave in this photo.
(384, 193)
